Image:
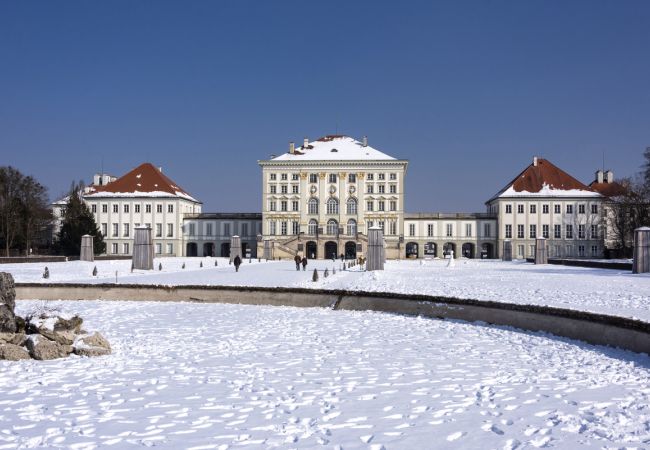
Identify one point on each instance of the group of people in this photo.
(300, 261)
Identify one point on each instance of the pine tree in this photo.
(645, 173)
(77, 221)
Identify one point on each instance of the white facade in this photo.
(209, 234)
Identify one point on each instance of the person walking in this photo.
(237, 262)
(304, 263)
(297, 260)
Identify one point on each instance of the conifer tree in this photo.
(77, 221)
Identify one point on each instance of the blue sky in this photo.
(467, 91)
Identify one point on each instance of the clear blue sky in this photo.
(467, 91)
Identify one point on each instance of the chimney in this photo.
(609, 176)
(292, 147)
(97, 179)
(599, 176)
(305, 143)
(365, 141)
(535, 161)
(160, 169)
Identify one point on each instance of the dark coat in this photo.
(237, 261)
(304, 261)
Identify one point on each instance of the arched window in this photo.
(352, 206)
(312, 206)
(332, 227)
(332, 206)
(313, 227)
(352, 227)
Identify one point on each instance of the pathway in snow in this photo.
(220, 376)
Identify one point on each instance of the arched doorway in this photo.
(449, 247)
(468, 250)
(331, 250)
(208, 249)
(350, 250)
(225, 250)
(487, 251)
(191, 249)
(431, 250)
(312, 250)
(412, 249)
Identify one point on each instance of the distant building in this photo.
(544, 201)
(208, 234)
(319, 199)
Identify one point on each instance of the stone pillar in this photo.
(641, 261)
(507, 251)
(235, 248)
(142, 249)
(541, 252)
(268, 249)
(87, 248)
(376, 252)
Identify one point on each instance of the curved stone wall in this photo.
(594, 328)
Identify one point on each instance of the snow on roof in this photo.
(143, 181)
(334, 148)
(544, 179)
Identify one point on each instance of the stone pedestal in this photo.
(541, 252)
(268, 250)
(376, 250)
(235, 248)
(87, 248)
(641, 261)
(142, 249)
(507, 251)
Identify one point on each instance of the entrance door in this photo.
(225, 250)
(350, 250)
(331, 250)
(311, 250)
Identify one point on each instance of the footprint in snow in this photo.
(455, 436)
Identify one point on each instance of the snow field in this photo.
(186, 375)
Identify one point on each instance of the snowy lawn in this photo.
(597, 290)
(188, 375)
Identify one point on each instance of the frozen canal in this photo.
(229, 376)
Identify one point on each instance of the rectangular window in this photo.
(115, 208)
(508, 231)
(594, 251)
(468, 230)
(381, 176)
(569, 209)
(557, 231)
(272, 177)
(158, 248)
(295, 227)
(569, 250)
(147, 208)
(545, 231)
(244, 229)
(581, 208)
(392, 227)
(533, 209)
(104, 229)
(520, 251)
(382, 189)
(393, 176)
(411, 229)
(294, 205)
(125, 229)
(581, 232)
(170, 249)
(283, 205)
(115, 230)
(352, 178)
(125, 248)
(393, 189)
(569, 232)
(192, 229)
(450, 230)
(487, 232)
(556, 209)
(208, 229)
(508, 209)
(581, 250)
(520, 231)
(332, 178)
(170, 230)
(520, 209)
(594, 231)
(273, 189)
(272, 205)
(533, 232)
(370, 205)
(544, 209)
(393, 205)
(594, 209)
(381, 205)
(159, 208)
(430, 230)
(370, 189)
(283, 177)
(114, 248)
(104, 208)
(371, 177)
(126, 208)
(226, 229)
(93, 208)
(295, 177)
(313, 178)
(170, 208)
(295, 189)
(137, 208)
(284, 189)
(283, 228)
(159, 229)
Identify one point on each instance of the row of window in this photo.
(126, 208)
(332, 206)
(332, 227)
(126, 229)
(449, 230)
(295, 189)
(332, 177)
(126, 248)
(557, 231)
(559, 251)
(556, 209)
(209, 229)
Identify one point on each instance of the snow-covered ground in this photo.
(598, 290)
(186, 375)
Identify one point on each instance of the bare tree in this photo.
(10, 208)
(627, 212)
(36, 214)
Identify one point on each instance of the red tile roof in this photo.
(143, 179)
(612, 189)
